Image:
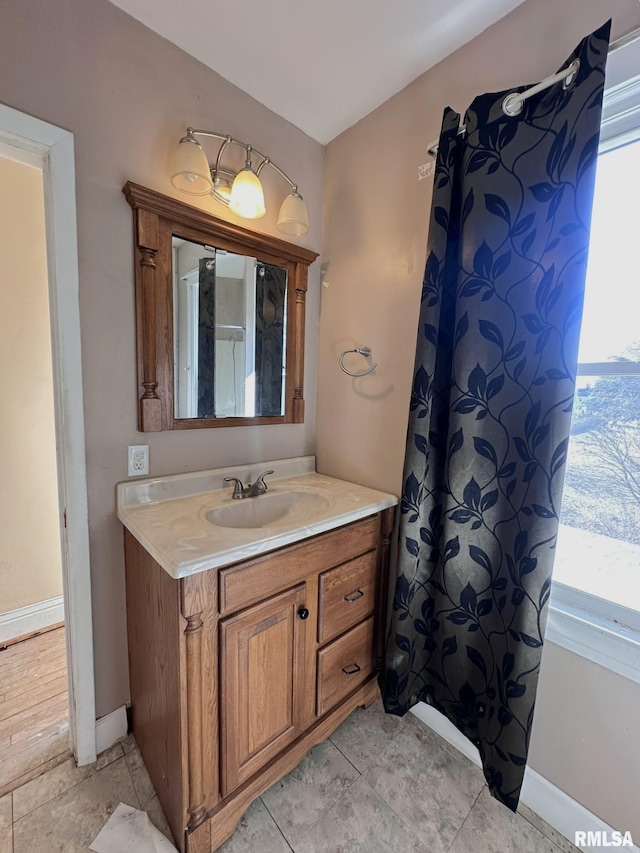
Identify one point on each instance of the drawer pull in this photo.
(354, 596)
(353, 671)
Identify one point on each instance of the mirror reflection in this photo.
(229, 316)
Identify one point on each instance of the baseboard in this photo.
(441, 726)
(31, 619)
(111, 728)
(564, 813)
(553, 805)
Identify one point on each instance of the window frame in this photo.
(599, 630)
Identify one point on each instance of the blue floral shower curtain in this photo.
(490, 412)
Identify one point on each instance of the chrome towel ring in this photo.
(366, 352)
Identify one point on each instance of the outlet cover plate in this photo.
(138, 460)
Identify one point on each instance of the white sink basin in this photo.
(270, 510)
(189, 522)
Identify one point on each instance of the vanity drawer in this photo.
(250, 582)
(343, 665)
(347, 594)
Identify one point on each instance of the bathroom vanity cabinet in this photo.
(237, 671)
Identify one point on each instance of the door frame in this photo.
(53, 146)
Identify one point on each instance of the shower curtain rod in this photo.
(513, 103)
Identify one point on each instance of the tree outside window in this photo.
(599, 540)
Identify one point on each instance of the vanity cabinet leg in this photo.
(199, 841)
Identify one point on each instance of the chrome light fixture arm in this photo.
(241, 191)
(230, 140)
(269, 162)
(227, 141)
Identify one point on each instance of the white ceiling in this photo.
(321, 65)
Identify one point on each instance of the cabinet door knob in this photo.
(303, 613)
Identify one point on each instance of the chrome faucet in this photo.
(252, 490)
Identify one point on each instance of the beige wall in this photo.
(374, 244)
(585, 736)
(30, 568)
(127, 95)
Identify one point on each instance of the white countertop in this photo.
(167, 515)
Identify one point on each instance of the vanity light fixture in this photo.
(241, 191)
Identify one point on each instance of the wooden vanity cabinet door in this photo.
(262, 682)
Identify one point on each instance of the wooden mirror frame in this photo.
(157, 218)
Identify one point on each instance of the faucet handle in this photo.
(238, 489)
(260, 483)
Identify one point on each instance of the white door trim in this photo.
(55, 148)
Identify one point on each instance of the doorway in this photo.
(34, 713)
(62, 592)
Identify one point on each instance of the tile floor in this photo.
(378, 784)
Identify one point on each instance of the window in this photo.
(596, 596)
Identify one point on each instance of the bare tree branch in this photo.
(618, 449)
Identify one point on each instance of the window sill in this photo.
(598, 630)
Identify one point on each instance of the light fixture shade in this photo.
(247, 197)
(189, 169)
(293, 217)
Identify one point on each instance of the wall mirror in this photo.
(229, 333)
(219, 319)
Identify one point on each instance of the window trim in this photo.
(609, 368)
(620, 115)
(594, 628)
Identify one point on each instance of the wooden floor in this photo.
(34, 712)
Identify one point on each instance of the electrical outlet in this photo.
(138, 460)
